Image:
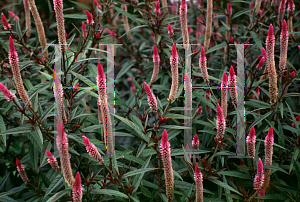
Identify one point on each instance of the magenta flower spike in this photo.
(284, 39)
(156, 62)
(199, 110)
(174, 70)
(170, 31)
(199, 184)
(90, 17)
(184, 23)
(77, 189)
(21, 171)
(92, 150)
(224, 94)
(16, 18)
(8, 95)
(269, 141)
(203, 67)
(232, 85)
(151, 98)
(195, 142)
(59, 95)
(6, 26)
(167, 163)
(259, 177)
(52, 161)
(101, 82)
(297, 119)
(261, 193)
(261, 63)
(251, 138)
(229, 8)
(281, 11)
(84, 32)
(263, 52)
(157, 10)
(221, 125)
(58, 8)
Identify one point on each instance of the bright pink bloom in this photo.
(101, 80)
(281, 11)
(224, 94)
(16, 18)
(170, 31)
(297, 119)
(259, 177)
(229, 8)
(199, 183)
(221, 125)
(8, 95)
(184, 22)
(199, 110)
(156, 62)
(195, 142)
(52, 161)
(157, 10)
(21, 171)
(90, 17)
(203, 67)
(269, 141)
(97, 4)
(84, 33)
(174, 70)
(232, 85)
(77, 189)
(284, 39)
(92, 150)
(151, 98)
(251, 138)
(6, 26)
(261, 193)
(246, 45)
(261, 63)
(167, 163)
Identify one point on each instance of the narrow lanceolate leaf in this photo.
(138, 171)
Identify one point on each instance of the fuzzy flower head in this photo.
(224, 83)
(6, 26)
(16, 18)
(199, 110)
(269, 141)
(259, 177)
(174, 70)
(21, 171)
(151, 98)
(197, 174)
(195, 142)
(203, 67)
(155, 54)
(232, 84)
(92, 150)
(251, 138)
(52, 160)
(157, 10)
(90, 19)
(220, 123)
(77, 189)
(8, 95)
(170, 31)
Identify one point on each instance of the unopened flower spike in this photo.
(21, 171)
(6, 25)
(183, 22)
(251, 138)
(90, 18)
(224, 94)
(52, 161)
(259, 177)
(156, 62)
(77, 189)
(58, 8)
(199, 184)
(203, 67)
(151, 98)
(8, 95)
(174, 70)
(170, 31)
(232, 85)
(220, 123)
(195, 142)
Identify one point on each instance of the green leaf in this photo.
(2, 129)
(34, 157)
(109, 192)
(258, 104)
(55, 183)
(256, 39)
(137, 180)
(125, 68)
(217, 47)
(235, 174)
(137, 27)
(20, 129)
(138, 171)
(58, 195)
(241, 13)
(39, 133)
(260, 119)
(275, 168)
(81, 5)
(75, 16)
(224, 185)
(272, 196)
(84, 79)
(120, 10)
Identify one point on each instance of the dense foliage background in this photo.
(138, 174)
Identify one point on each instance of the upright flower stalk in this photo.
(290, 11)
(21, 171)
(251, 138)
(59, 100)
(27, 17)
(269, 141)
(151, 98)
(195, 142)
(77, 189)
(203, 66)
(270, 44)
(39, 28)
(208, 24)
(52, 161)
(174, 70)
(221, 125)
(105, 115)
(167, 163)
(126, 24)
(281, 11)
(90, 18)
(259, 177)
(58, 8)
(183, 22)
(199, 184)
(63, 149)
(6, 25)
(284, 39)
(8, 95)
(14, 63)
(232, 85)
(156, 62)
(224, 94)
(261, 193)
(92, 150)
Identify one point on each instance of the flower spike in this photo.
(6, 25)
(199, 184)
(221, 125)
(77, 189)
(174, 70)
(8, 95)
(21, 171)
(259, 177)
(195, 142)
(90, 19)
(224, 94)
(52, 161)
(151, 98)
(251, 138)
(156, 62)
(232, 85)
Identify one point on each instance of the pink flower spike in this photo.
(203, 67)
(171, 32)
(264, 53)
(84, 33)
(21, 171)
(259, 177)
(224, 93)
(101, 80)
(195, 142)
(16, 18)
(92, 150)
(261, 193)
(156, 62)
(297, 119)
(52, 161)
(199, 110)
(269, 141)
(229, 8)
(8, 95)
(220, 123)
(77, 189)
(6, 26)
(199, 183)
(260, 64)
(90, 19)
(251, 138)
(155, 54)
(151, 98)
(157, 10)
